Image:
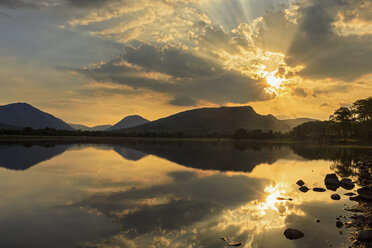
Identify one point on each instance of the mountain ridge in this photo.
(25, 115)
(208, 120)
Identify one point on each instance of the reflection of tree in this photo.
(343, 158)
(344, 168)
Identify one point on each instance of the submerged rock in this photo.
(336, 197)
(365, 235)
(331, 182)
(304, 189)
(290, 233)
(319, 189)
(347, 184)
(300, 183)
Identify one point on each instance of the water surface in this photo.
(170, 194)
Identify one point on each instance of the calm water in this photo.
(169, 194)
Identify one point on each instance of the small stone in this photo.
(339, 224)
(336, 197)
(300, 183)
(319, 189)
(365, 235)
(317, 220)
(350, 194)
(290, 233)
(304, 189)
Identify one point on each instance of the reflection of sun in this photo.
(274, 192)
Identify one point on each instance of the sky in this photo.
(95, 61)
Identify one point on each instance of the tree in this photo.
(363, 109)
(344, 118)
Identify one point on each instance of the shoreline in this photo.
(109, 139)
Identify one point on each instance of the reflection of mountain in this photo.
(212, 155)
(19, 157)
(128, 153)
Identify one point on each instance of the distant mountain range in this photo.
(128, 122)
(197, 121)
(221, 120)
(86, 128)
(23, 115)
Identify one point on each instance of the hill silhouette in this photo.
(25, 115)
(128, 122)
(220, 120)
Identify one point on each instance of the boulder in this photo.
(347, 184)
(365, 235)
(339, 224)
(300, 183)
(331, 182)
(365, 193)
(336, 197)
(290, 233)
(304, 189)
(319, 189)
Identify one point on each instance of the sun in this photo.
(275, 82)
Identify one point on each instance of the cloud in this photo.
(323, 105)
(176, 72)
(19, 4)
(182, 101)
(88, 3)
(323, 52)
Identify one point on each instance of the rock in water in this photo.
(349, 194)
(319, 189)
(300, 183)
(234, 244)
(365, 193)
(331, 182)
(347, 184)
(336, 197)
(304, 189)
(293, 234)
(365, 235)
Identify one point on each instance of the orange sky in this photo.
(94, 62)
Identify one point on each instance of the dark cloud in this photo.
(299, 92)
(170, 60)
(182, 101)
(88, 3)
(324, 53)
(18, 4)
(181, 74)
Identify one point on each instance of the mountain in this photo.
(208, 120)
(128, 122)
(86, 128)
(295, 122)
(7, 126)
(25, 115)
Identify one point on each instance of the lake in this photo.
(171, 194)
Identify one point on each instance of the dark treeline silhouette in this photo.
(345, 123)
